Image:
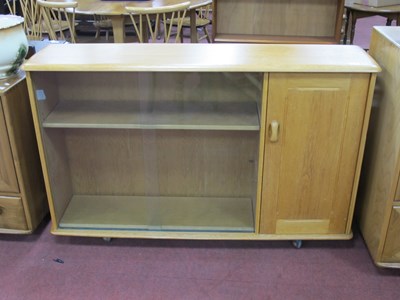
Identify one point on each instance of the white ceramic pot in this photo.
(13, 45)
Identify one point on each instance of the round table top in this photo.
(361, 7)
(100, 7)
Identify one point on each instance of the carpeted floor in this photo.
(43, 266)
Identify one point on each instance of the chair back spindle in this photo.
(55, 18)
(149, 20)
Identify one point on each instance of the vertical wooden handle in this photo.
(273, 131)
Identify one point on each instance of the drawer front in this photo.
(391, 251)
(8, 179)
(12, 214)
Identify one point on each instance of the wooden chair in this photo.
(11, 6)
(29, 11)
(102, 23)
(203, 20)
(54, 19)
(148, 20)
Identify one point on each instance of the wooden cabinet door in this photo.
(314, 127)
(8, 180)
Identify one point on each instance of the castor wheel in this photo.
(107, 239)
(297, 244)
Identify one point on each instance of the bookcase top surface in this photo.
(202, 58)
(391, 33)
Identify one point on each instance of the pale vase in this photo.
(13, 45)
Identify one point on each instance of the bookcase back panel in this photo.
(151, 86)
(162, 163)
(58, 170)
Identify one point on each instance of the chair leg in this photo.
(207, 35)
(159, 31)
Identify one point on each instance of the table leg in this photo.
(391, 18)
(193, 29)
(346, 26)
(354, 18)
(118, 24)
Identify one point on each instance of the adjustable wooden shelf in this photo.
(201, 141)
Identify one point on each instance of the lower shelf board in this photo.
(203, 214)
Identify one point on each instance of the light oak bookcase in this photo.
(201, 141)
(379, 195)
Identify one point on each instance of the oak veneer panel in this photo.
(271, 39)
(8, 178)
(381, 167)
(158, 114)
(23, 143)
(313, 189)
(12, 215)
(59, 172)
(313, 18)
(147, 87)
(24, 201)
(159, 213)
(302, 226)
(160, 162)
(200, 57)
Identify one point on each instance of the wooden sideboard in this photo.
(380, 192)
(23, 201)
(271, 21)
(251, 142)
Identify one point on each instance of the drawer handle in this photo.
(1, 210)
(273, 131)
